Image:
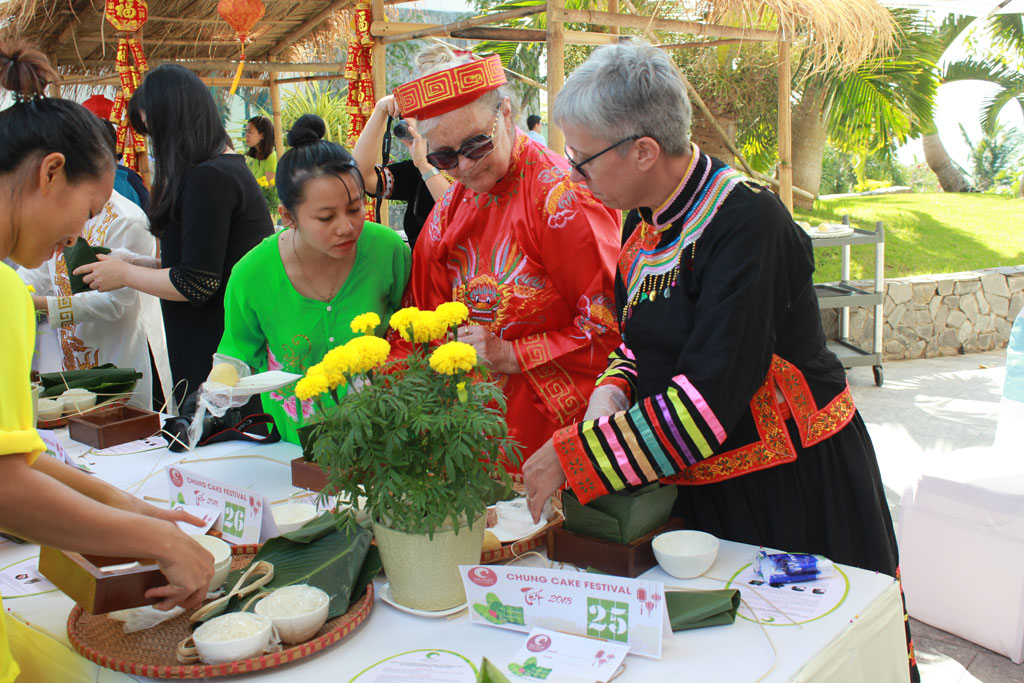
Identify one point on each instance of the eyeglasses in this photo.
(476, 148)
(570, 153)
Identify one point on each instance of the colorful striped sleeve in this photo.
(657, 437)
(621, 371)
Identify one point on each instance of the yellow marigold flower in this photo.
(312, 385)
(453, 313)
(365, 323)
(461, 390)
(338, 359)
(453, 357)
(428, 326)
(402, 319)
(367, 353)
(31, 288)
(334, 373)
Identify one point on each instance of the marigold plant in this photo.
(424, 436)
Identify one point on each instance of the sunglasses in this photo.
(475, 148)
(578, 165)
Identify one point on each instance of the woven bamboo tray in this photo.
(152, 652)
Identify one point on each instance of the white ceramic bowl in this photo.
(296, 628)
(293, 516)
(220, 651)
(685, 554)
(221, 552)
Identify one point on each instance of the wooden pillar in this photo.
(378, 68)
(54, 88)
(275, 107)
(613, 8)
(556, 69)
(785, 128)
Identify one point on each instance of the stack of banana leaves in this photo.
(106, 381)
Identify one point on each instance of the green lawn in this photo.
(925, 233)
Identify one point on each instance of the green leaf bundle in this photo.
(103, 380)
(620, 517)
(80, 254)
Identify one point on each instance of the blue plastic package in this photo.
(791, 567)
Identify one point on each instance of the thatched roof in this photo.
(75, 32)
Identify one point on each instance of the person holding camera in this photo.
(57, 171)
(414, 181)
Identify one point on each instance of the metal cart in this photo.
(844, 295)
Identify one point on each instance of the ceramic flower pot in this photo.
(424, 572)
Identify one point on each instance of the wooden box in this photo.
(113, 426)
(308, 475)
(101, 584)
(630, 560)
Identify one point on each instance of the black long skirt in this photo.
(829, 501)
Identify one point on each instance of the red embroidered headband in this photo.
(444, 91)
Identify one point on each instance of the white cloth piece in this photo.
(91, 328)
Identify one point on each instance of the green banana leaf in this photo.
(79, 254)
(489, 673)
(105, 381)
(620, 517)
(339, 563)
(700, 609)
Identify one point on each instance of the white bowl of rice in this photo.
(685, 554)
(293, 516)
(297, 612)
(235, 636)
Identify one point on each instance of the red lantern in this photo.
(128, 17)
(242, 15)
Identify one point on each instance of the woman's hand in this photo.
(40, 303)
(130, 503)
(188, 568)
(388, 106)
(543, 476)
(107, 274)
(494, 352)
(417, 147)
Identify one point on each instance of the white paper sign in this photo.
(242, 511)
(420, 666)
(788, 603)
(22, 579)
(150, 443)
(563, 658)
(53, 445)
(630, 611)
(210, 516)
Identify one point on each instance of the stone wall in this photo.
(939, 315)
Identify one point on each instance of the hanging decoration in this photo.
(127, 17)
(359, 74)
(242, 15)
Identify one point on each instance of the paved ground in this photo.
(924, 408)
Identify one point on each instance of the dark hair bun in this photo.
(24, 70)
(308, 129)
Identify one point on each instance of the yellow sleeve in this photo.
(17, 432)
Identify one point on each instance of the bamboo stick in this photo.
(464, 23)
(785, 128)
(578, 16)
(311, 79)
(378, 65)
(502, 33)
(703, 43)
(556, 67)
(613, 8)
(275, 109)
(229, 65)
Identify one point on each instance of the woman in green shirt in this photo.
(259, 135)
(291, 299)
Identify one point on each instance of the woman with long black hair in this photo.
(207, 210)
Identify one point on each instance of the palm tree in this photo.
(872, 109)
(998, 151)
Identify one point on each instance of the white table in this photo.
(860, 640)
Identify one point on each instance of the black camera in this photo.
(401, 130)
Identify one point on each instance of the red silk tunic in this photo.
(534, 261)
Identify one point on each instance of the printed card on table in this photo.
(244, 514)
(617, 609)
(563, 658)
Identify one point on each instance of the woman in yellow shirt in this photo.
(56, 172)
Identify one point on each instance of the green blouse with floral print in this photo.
(270, 326)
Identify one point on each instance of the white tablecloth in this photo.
(861, 640)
